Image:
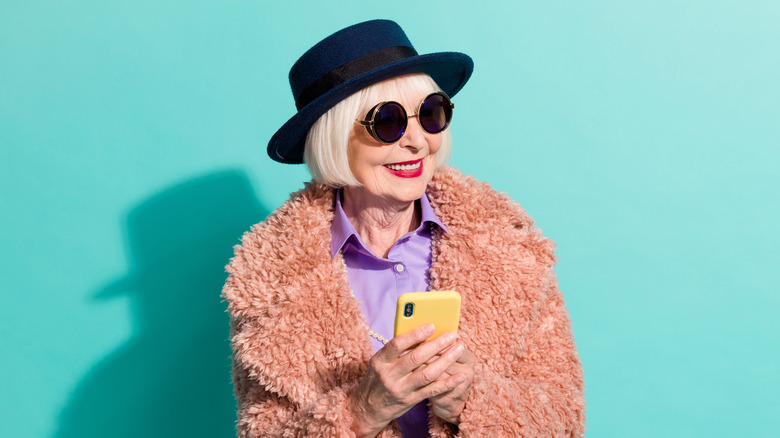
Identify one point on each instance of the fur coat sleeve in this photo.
(300, 346)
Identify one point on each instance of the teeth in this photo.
(400, 167)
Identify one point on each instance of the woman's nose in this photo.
(414, 137)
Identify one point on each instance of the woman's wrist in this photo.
(451, 420)
(361, 423)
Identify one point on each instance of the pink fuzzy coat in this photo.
(300, 345)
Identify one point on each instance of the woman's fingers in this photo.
(425, 351)
(467, 357)
(409, 367)
(440, 386)
(403, 342)
(431, 372)
(449, 405)
(407, 359)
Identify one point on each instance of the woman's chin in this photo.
(410, 193)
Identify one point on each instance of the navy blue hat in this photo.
(348, 61)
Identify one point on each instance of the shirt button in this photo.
(399, 268)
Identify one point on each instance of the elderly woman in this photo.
(312, 290)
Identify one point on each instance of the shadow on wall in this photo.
(172, 378)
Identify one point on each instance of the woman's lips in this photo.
(406, 169)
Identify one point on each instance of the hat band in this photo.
(351, 69)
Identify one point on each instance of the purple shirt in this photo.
(377, 283)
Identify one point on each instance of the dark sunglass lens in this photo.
(435, 113)
(390, 122)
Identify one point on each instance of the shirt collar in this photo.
(341, 229)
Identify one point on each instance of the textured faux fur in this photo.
(300, 345)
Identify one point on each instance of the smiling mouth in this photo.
(400, 167)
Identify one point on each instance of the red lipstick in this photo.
(406, 169)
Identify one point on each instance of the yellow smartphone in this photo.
(438, 307)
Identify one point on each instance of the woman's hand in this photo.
(448, 405)
(400, 376)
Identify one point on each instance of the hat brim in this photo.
(450, 70)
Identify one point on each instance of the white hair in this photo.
(325, 153)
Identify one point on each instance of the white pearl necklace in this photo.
(372, 333)
(343, 264)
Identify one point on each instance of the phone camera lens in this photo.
(408, 309)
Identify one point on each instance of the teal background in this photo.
(641, 135)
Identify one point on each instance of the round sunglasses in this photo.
(387, 121)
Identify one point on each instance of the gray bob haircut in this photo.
(325, 153)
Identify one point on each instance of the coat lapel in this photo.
(312, 337)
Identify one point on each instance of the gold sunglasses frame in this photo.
(369, 120)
